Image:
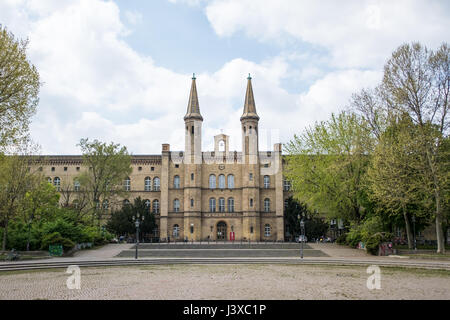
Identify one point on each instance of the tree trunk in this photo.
(5, 236)
(409, 234)
(439, 235)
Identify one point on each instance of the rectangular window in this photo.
(250, 176)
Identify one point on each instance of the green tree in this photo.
(395, 171)
(19, 88)
(38, 203)
(121, 221)
(417, 82)
(17, 177)
(327, 166)
(107, 166)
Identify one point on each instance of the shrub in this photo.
(18, 235)
(341, 239)
(55, 238)
(373, 243)
(354, 236)
(66, 229)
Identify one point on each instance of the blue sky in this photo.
(121, 70)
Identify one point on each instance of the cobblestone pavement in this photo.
(227, 282)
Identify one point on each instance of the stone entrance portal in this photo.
(221, 231)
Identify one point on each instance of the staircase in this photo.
(221, 250)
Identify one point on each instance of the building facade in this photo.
(195, 195)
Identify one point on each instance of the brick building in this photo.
(198, 195)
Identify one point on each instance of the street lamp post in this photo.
(414, 231)
(302, 236)
(137, 222)
(302, 226)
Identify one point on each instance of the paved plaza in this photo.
(227, 282)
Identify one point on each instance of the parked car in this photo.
(301, 238)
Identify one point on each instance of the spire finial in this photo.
(193, 76)
(249, 78)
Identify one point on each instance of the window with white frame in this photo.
(221, 204)
(105, 205)
(176, 231)
(176, 182)
(148, 184)
(176, 205)
(266, 182)
(147, 203)
(230, 204)
(212, 205)
(266, 205)
(212, 181)
(230, 181)
(267, 230)
(155, 206)
(76, 185)
(221, 181)
(57, 183)
(127, 184)
(286, 185)
(156, 184)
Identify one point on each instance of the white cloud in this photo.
(356, 33)
(97, 86)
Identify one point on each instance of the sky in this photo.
(121, 70)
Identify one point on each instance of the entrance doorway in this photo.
(221, 231)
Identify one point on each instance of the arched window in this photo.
(176, 182)
(105, 205)
(49, 180)
(266, 205)
(212, 181)
(192, 203)
(267, 230)
(221, 146)
(127, 184)
(176, 205)
(221, 181)
(76, 185)
(155, 206)
(176, 231)
(230, 181)
(212, 205)
(221, 204)
(75, 203)
(147, 203)
(230, 204)
(266, 182)
(156, 184)
(148, 184)
(251, 202)
(57, 183)
(126, 202)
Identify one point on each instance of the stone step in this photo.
(236, 245)
(221, 253)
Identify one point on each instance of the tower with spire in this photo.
(250, 165)
(193, 166)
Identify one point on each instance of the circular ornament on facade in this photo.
(221, 166)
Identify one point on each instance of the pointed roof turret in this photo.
(249, 105)
(193, 109)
